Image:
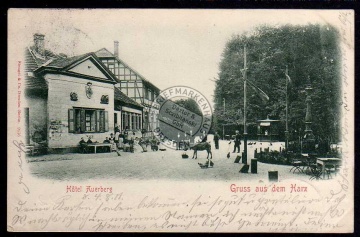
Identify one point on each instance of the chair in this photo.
(298, 165)
(316, 172)
(310, 164)
(328, 169)
(332, 168)
(337, 169)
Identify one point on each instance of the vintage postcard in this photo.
(149, 120)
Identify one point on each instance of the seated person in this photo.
(106, 140)
(121, 135)
(89, 141)
(82, 141)
(82, 145)
(125, 139)
(142, 143)
(112, 138)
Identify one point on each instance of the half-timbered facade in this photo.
(132, 84)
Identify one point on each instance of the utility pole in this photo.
(245, 127)
(286, 122)
(224, 120)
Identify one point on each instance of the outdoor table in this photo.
(327, 161)
(95, 145)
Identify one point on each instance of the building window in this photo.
(133, 121)
(149, 95)
(152, 96)
(86, 120)
(146, 94)
(136, 121)
(128, 124)
(115, 119)
(130, 120)
(146, 120)
(123, 121)
(139, 121)
(90, 121)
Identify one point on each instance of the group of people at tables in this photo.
(120, 140)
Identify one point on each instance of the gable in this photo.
(104, 53)
(88, 68)
(125, 73)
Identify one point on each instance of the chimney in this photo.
(116, 48)
(39, 44)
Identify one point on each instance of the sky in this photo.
(167, 47)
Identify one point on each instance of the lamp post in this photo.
(309, 138)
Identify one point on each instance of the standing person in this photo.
(237, 141)
(114, 147)
(143, 132)
(116, 136)
(204, 137)
(126, 134)
(131, 141)
(111, 138)
(216, 140)
(112, 142)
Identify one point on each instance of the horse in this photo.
(201, 147)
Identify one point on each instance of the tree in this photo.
(310, 51)
(190, 105)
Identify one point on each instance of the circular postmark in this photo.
(184, 116)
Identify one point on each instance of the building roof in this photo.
(121, 97)
(41, 59)
(33, 61)
(104, 53)
(63, 64)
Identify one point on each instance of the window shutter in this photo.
(98, 121)
(82, 120)
(106, 121)
(71, 120)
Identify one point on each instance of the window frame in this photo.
(99, 119)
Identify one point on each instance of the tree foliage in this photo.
(311, 54)
(190, 105)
